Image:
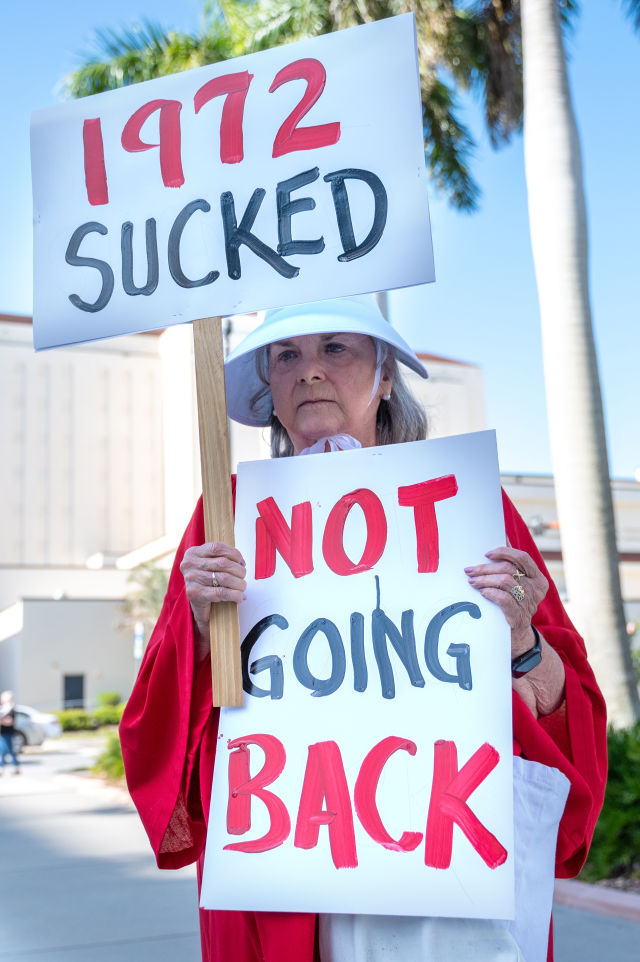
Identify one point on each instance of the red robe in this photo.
(169, 729)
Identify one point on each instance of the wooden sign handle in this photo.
(215, 464)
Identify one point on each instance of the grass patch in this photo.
(109, 762)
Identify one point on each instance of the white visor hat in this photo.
(355, 315)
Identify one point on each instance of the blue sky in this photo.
(483, 307)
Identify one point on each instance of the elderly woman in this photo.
(325, 377)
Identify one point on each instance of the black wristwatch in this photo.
(528, 659)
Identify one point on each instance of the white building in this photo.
(83, 482)
(534, 496)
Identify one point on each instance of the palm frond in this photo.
(147, 37)
(632, 10)
(449, 147)
(499, 72)
(272, 22)
(144, 51)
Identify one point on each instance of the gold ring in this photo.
(517, 574)
(517, 592)
(214, 580)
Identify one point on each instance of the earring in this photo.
(386, 397)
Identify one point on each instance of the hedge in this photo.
(108, 714)
(108, 698)
(615, 850)
(77, 719)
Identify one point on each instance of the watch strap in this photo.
(528, 659)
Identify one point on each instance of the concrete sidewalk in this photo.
(79, 882)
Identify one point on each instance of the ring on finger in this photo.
(517, 592)
(517, 574)
(214, 580)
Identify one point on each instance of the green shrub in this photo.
(108, 698)
(110, 763)
(635, 658)
(615, 849)
(108, 714)
(76, 719)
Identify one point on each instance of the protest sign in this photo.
(370, 768)
(281, 177)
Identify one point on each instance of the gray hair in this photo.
(399, 419)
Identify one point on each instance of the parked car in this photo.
(32, 727)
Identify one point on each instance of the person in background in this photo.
(7, 731)
(326, 376)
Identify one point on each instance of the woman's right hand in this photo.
(201, 565)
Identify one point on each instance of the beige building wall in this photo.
(534, 497)
(181, 450)
(58, 638)
(82, 448)
(452, 396)
(56, 583)
(83, 481)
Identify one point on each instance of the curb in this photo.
(597, 898)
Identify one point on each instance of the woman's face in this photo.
(321, 385)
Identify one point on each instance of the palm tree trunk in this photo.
(558, 225)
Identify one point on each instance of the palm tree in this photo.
(558, 226)
(480, 46)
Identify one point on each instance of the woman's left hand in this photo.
(507, 569)
(542, 688)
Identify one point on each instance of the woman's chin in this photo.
(316, 429)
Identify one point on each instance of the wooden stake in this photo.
(216, 494)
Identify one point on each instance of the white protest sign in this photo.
(281, 177)
(370, 769)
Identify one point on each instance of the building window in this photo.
(73, 696)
